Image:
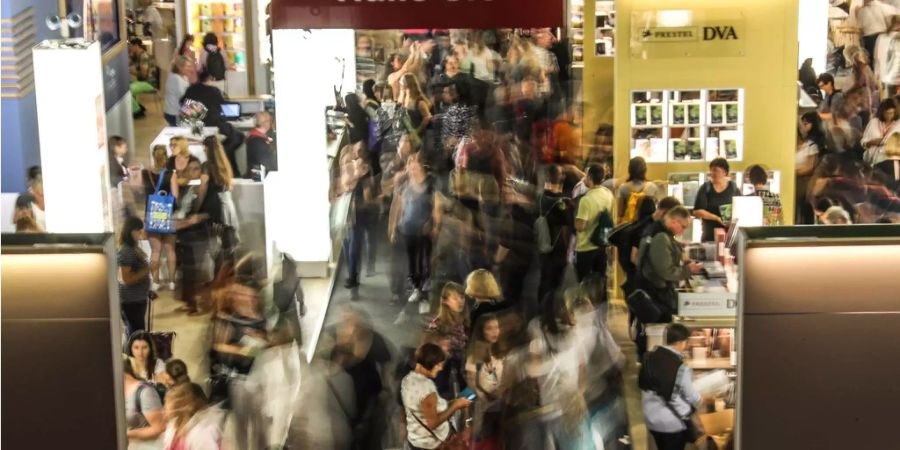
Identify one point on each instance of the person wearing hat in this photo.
(482, 287)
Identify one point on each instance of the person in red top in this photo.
(260, 150)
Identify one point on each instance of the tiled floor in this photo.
(192, 341)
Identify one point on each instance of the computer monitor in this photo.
(231, 110)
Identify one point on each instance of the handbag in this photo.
(640, 302)
(456, 441)
(160, 210)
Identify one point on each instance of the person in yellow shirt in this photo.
(590, 258)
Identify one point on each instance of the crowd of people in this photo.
(465, 166)
(847, 159)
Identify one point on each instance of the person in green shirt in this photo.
(589, 258)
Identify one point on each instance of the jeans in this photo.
(361, 231)
(418, 257)
(592, 261)
(135, 316)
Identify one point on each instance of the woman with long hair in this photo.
(144, 418)
(484, 372)
(181, 157)
(411, 217)
(881, 126)
(811, 148)
(193, 425)
(636, 185)
(452, 319)
(216, 201)
(238, 335)
(134, 275)
(418, 107)
(142, 353)
(186, 49)
(160, 243)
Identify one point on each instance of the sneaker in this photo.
(415, 296)
(154, 286)
(424, 308)
(171, 285)
(401, 318)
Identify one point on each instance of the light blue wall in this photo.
(19, 145)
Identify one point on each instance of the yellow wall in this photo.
(597, 80)
(768, 73)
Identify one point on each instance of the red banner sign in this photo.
(393, 14)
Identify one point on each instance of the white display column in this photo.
(297, 205)
(72, 128)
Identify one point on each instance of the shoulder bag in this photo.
(693, 428)
(160, 209)
(455, 441)
(640, 302)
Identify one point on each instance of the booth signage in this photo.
(702, 34)
(399, 14)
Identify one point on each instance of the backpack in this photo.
(605, 224)
(542, 230)
(634, 201)
(215, 65)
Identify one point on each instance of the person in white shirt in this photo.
(667, 390)
(184, 73)
(887, 57)
(873, 18)
(881, 126)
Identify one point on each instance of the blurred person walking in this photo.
(133, 276)
(144, 418)
(558, 365)
(217, 203)
(192, 424)
(427, 414)
(411, 217)
(557, 212)
(192, 239)
(364, 215)
(238, 335)
(810, 149)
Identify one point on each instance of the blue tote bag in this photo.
(160, 210)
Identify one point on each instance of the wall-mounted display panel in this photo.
(687, 125)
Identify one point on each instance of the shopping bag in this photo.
(160, 209)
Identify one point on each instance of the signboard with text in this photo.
(687, 33)
(391, 14)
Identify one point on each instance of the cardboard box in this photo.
(718, 426)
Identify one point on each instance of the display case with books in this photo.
(695, 125)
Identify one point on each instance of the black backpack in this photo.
(215, 65)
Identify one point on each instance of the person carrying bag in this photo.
(160, 209)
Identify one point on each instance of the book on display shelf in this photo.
(693, 114)
(694, 149)
(656, 114)
(716, 114)
(679, 149)
(732, 113)
(639, 115)
(678, 115)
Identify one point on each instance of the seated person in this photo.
(144, 74)
(260, 146)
